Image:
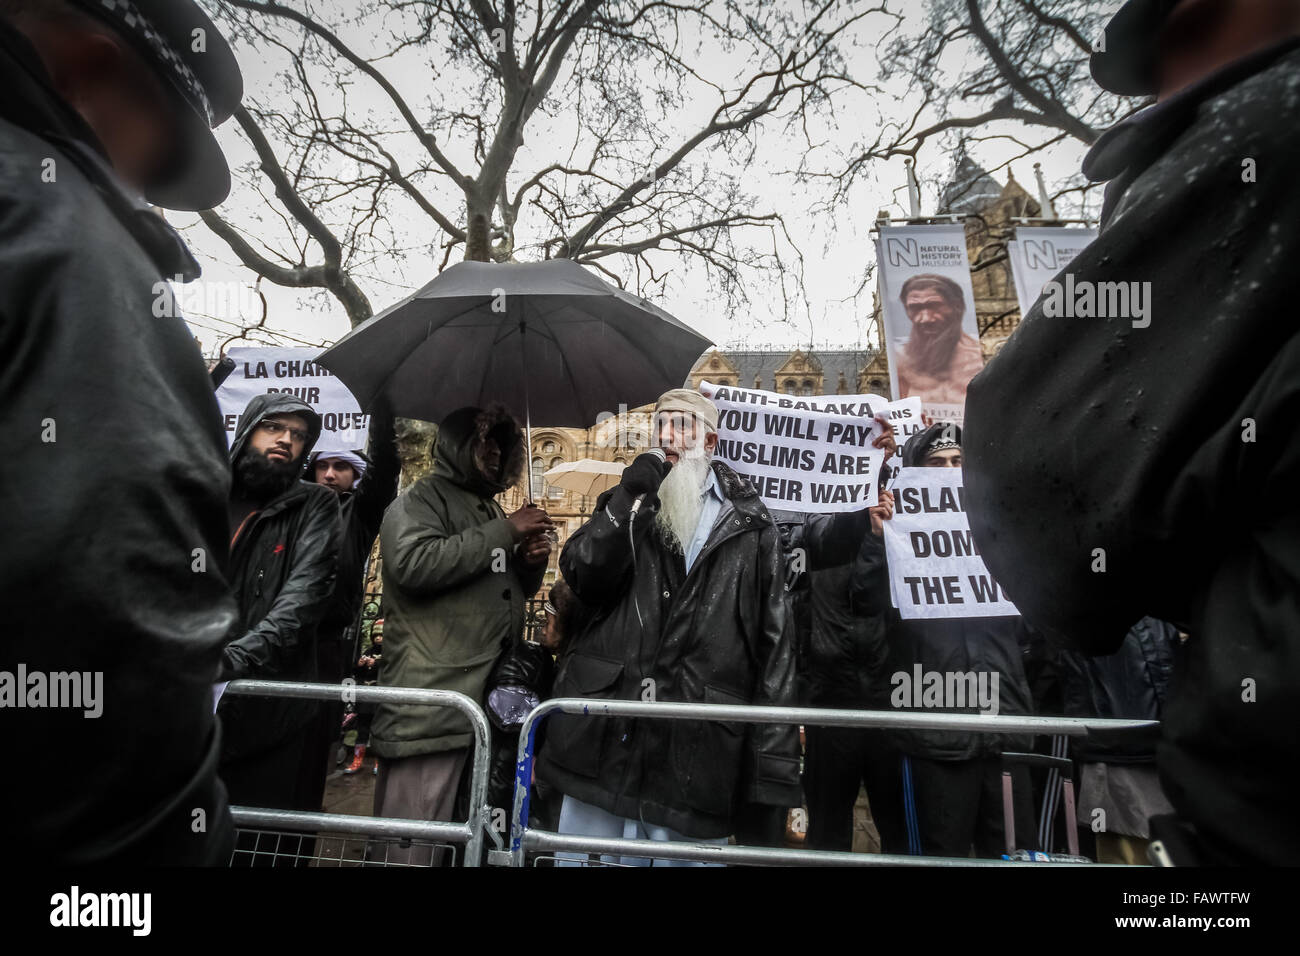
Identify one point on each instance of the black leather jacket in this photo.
(283, 566)
(362, 512)
(832, 562)
(717, 635)
(112, 504)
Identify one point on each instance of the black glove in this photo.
(644, 475)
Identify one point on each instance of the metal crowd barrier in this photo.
(524, 840)
(287, 831)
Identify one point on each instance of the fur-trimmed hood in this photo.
(459, 435)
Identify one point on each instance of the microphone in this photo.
(636, 504)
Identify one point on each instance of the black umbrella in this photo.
(545, 337)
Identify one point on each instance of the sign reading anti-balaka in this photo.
(810, 453)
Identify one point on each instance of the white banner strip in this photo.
(259, 371)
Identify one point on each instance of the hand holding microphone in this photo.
(644, 475)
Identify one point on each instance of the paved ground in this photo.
(354, 793)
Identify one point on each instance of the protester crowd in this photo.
(136, 544)
(683, 586)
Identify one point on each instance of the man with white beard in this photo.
(683, 567)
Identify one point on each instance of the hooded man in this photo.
(283, 553)
(457, 573)
(115, 485)
(952, 780)
(1146, 464)
(365, 489)
(939, 358)
(684, 568)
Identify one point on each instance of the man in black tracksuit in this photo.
(952, 780)
(365, 488)
(843, 662)
(284, 550)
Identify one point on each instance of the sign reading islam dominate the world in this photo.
(935, 569)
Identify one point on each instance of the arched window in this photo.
(548, 447)
(538, 468)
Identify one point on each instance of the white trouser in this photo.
(582, 819)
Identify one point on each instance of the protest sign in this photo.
(935, 570)
(1039, 254)
(929, 311)
(806, 453)
(259, 371)
(905, 416)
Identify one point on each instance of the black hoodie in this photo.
(283, 567)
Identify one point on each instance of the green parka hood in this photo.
(459, 436)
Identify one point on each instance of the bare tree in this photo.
(979, 70)
(401, 131)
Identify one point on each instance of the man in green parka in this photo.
(456, 573)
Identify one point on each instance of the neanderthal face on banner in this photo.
(935, 307)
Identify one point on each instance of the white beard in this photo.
(679, 499)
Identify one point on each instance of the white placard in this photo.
(934, 567)
(261, 370)
(807, 453)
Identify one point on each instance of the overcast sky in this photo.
(836, 248)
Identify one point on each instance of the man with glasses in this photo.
(283, 551)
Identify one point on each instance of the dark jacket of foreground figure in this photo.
(1170, 452)
(112, 505)
(718, 635)
(283, 566)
